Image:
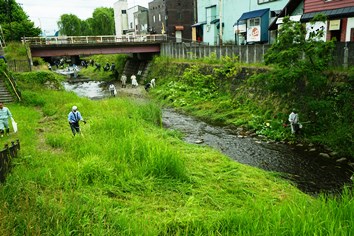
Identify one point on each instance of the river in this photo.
(308, 170)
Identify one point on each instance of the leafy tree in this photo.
(86, 27)
(70, 25)
(299, 60)
(103, 21)
(14, 21)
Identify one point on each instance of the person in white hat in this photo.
(74, 117)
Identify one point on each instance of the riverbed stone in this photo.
(313, 150)
(324, 155)
(240, 129)
(340, 160)
(333, 154)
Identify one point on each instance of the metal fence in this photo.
(6, 156)
(343, 53)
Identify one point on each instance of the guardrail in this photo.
(6, 156)
(93, 39)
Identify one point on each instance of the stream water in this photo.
(309, 171)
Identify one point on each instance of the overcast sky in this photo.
(46, 13)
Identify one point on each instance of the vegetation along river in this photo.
(311, 172)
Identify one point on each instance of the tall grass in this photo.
(125, 175)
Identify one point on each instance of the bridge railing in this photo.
(93, 39)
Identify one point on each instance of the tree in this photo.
(103, 21)
(70, 25)
(15, 23)
(299, 59)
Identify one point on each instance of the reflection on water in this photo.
(90, 89)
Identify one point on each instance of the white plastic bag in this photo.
(14, 125)
(115, 91)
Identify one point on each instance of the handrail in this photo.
(93, 39)
(12, 85)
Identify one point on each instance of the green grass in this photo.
(127, 176)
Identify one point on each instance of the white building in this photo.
(120, 17)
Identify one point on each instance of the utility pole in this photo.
(220, 22)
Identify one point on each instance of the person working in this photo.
(124, 80)
(112, 90)
(74, 117)
(294, 122)
(5, 114)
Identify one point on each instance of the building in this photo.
(130, 21)
(120, 17)
(172, 17)
(252, 26)
(340, 18)
(242, 21)
(137, 20)
(293, 9)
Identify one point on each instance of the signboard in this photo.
(240, 28)
(313, 28)
(254, 34)
(334, 25)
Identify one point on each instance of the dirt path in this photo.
(128, 91)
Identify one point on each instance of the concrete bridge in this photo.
(93, 45)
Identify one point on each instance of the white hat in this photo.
(74, 108)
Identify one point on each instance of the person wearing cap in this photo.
(294, 121)
(5, 114)
(74, 117)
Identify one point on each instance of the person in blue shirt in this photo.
(74, 117)
(5, 114)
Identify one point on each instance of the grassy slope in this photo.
(128, 176)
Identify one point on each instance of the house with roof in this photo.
(235, 21)
(340, 18)
(252, 25)
(293, 9)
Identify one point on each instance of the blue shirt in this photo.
(5, 113)
(74, 117)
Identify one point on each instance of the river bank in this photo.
(304, 165)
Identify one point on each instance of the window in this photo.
(211, 13)
(153, 19)
(124, 11)
(265, 1)
(253, 22)
(159, 17)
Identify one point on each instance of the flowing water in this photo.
(309, 171)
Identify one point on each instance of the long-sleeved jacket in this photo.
(5, 113)
(74, 117)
